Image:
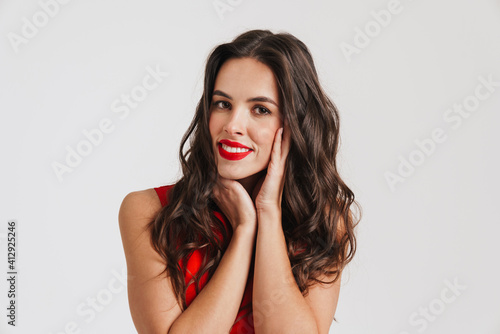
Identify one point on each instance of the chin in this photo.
(232, 175)
(237, 175)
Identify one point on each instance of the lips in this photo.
(233, 144)
(231, 150)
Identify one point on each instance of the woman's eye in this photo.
(262, 110)
(222, 104)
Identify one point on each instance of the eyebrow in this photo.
(253, 99)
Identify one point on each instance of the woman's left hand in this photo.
(269, 189)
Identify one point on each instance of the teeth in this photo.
(234, 149)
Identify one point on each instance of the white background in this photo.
(439, 225)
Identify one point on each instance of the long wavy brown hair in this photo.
(317, 217)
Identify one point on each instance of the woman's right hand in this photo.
(234, 201)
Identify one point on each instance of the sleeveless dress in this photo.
(243, 323)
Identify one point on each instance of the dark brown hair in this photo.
(316, 204)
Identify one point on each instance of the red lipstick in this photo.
(232, 155)
(233, 143)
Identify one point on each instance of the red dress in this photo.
(243, 323)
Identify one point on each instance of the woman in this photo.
(255, 234)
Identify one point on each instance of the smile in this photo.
(233, 153)
(234, 149)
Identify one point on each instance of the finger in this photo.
(286, 142)
(278, 143)
(224, 183)
(220, 188)
(276, 152)
(282, 147)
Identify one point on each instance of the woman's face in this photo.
(244, 117)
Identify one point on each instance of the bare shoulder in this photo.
(138, 208)
(152, 302)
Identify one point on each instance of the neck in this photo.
(250, 181)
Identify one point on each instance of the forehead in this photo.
(245, 78)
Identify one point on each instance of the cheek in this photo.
(213, 126)
(265, 138)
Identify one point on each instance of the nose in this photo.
(235, 122)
